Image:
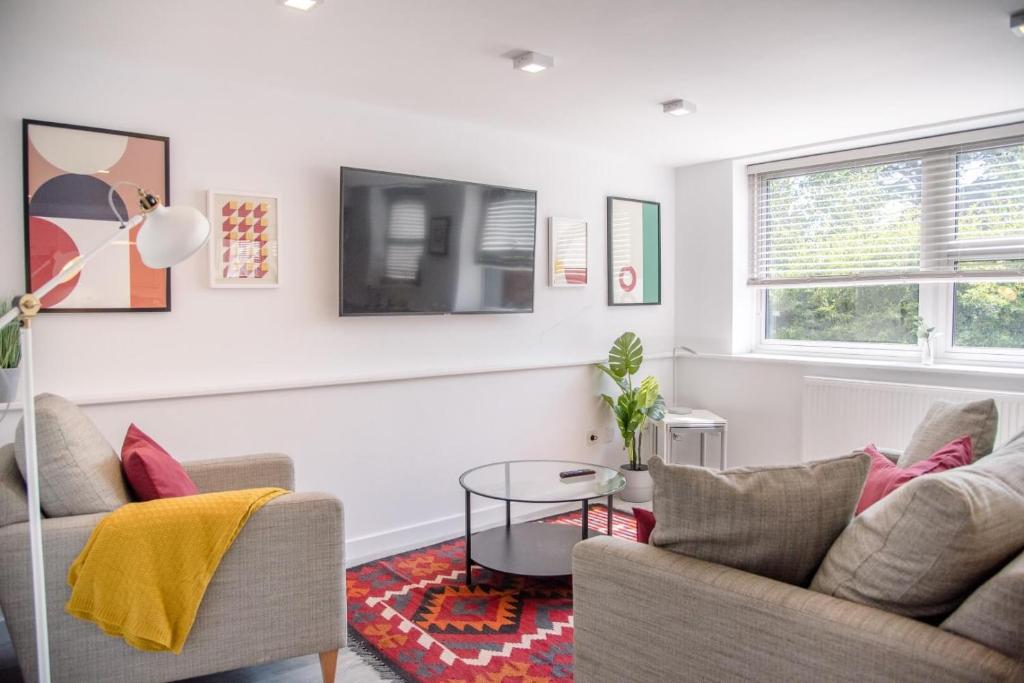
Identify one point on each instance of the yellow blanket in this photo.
(146, 566)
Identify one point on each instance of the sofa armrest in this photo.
(279, 592)
(244, 472)
(668, 613)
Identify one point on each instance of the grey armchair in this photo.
(278, 593)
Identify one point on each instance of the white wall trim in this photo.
(402, 539)
(229, 390)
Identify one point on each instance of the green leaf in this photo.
(657, 410)
(609, 400)
(647, 392)
(619, 379)
(626, 355)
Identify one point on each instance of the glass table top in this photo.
(537, 481)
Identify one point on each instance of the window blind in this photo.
(948, 212)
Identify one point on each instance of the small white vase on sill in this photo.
(927, 350)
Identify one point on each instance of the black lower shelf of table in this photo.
(529, 549)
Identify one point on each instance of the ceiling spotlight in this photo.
(304, 5)
(678, 107)
(1017, 23)
(532, 62)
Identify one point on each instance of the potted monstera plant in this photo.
(10, 358)
(633, 407)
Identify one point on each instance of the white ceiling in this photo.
(765, 74)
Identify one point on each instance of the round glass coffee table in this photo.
(533, 548)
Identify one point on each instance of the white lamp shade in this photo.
(170, 234)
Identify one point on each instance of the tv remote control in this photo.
(575, 473)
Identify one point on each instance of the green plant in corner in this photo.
(10, 345)
(635, 405)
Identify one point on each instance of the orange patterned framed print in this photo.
(246, 237)
(72, 176)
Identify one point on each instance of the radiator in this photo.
(841, 415)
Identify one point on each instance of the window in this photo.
(857, 249)
(407, 235)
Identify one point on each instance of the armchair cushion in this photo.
(150, 470)
(13, 499)
(79, 473)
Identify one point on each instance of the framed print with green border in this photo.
(634, 252)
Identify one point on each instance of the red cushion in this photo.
(150, 470)
(884, 477)
(644, 524)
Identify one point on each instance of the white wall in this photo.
(716, 314)
(392, 450)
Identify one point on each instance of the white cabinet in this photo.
(697, 438)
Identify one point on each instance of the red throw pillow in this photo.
(644, 524)
(150, 470)
(884, 477)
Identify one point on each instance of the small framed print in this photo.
(246, 239)
(567, 252)
(634, 252)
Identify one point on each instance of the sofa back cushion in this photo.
(79, 473)
(924, 548)
(993, 615)
(774, 521)
(13, 499)
(946, 421)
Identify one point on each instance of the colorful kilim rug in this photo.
(415, 612)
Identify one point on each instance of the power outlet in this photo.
(593, 438)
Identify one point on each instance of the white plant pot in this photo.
(9, 378)
(639, 486)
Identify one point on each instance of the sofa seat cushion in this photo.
(774, 521)
(923, 549)
(993, 615)
(946, 421)
(13, 499)
(79, 473)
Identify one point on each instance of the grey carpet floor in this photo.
(351, 669)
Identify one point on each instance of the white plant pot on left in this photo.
(9, 378)
(639, 485)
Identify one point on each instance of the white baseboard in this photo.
(375, 546)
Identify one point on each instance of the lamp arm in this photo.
(67, 272)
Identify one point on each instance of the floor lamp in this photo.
(168, 236)
(677, 409)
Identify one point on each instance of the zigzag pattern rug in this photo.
(415, 612)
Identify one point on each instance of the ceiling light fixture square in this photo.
(678, 107)
(533, 62)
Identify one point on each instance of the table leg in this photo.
(508, 514)
(611, 513)
(586, 519)
(469, 546)
(723, 449)
(703, 449)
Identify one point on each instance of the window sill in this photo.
(875, 363)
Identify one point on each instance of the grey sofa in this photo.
(644, 614)
(278, 593)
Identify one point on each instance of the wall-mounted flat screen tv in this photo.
(414, 245)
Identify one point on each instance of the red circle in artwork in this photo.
(623, 272)
(51, 249)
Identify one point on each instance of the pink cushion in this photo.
(644, 524)
(150, 470)
(884, 477)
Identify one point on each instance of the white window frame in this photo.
(935, 302)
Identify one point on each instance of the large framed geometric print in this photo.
(69, 171)
(634, 252)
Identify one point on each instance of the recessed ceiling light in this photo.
(532, 62)
(1017, 23)
(678, 107)
(304, 5)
